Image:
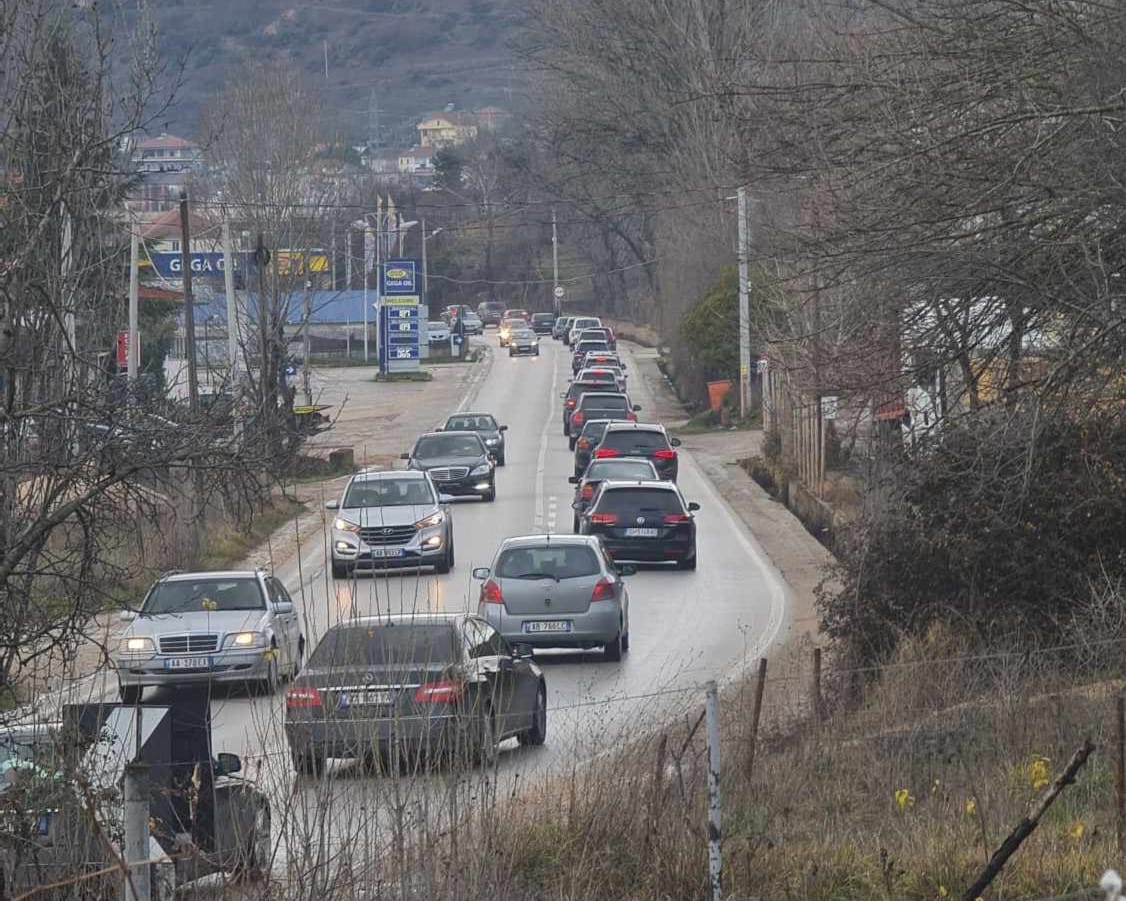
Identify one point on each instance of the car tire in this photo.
(131, 694)
(612, 650)
(491, 495)
(500, 460)
(575, 524)
(269, 685)
(688, 563)
(259, 848)
(309, 762)
(339, 570)
(536, 734)
(625, 642)
(443, 566)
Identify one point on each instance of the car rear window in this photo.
(585, 322)
(641, 441)
(585, 347)
(601, 470)
(543, 317)
(594, 429)
(559, 561)
(206, 594)
(626, 501)
(578, 388)
(599, 377)
(384, 645)
(600, 401)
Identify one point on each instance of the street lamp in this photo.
(425, 269)
(365, 230)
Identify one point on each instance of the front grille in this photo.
(188, 644)
(377, 535)
(449, 473)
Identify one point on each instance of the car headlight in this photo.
(492, 441)
(434, 519)
(483, 470)
(344, 525)
(244, 640)
(137, 645)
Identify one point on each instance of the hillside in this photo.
(415, 55)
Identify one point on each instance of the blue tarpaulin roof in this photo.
(327, 307)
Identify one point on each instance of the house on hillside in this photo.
(416, 160)
(447, 129)
(166, 164)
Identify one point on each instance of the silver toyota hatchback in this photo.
(557, 591)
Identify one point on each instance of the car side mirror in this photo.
(439, 428)
(227, 764)
(127, 616)
(521, 650)
(404, 456)
(283, 607)
(693, 507)
(563, 396)
(675, 442)
(637, 408)
(481, 572)
(332, 505)
(574, 480)
(503, 428)
(627, 569)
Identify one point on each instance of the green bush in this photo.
(710, 329)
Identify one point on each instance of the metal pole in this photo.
(715, 859)
(348, 259)
(189, 310)
(134, 349)
(744, 307)
(425, 270)
(557, 305)
(1120, 776)
(138, 886)
(233, 332)
(378, 281)
(364, 266)
(306, 343)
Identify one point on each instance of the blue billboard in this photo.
(170, 265)
(398, 277)
(399, 332)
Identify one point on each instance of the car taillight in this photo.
(603, 452)
(603, 519)
(632, 417)
(577, 418)
(446, 691)
(603, 590)
(570, 404)
(672, 519)
(301, 696)
(664, 454)
(491, 593)
(587, 492)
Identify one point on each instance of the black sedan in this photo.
(485, 425)
(646, 522)
(459, 463)
(440, 684)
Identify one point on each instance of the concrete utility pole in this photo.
(557, 306)
(189, 310)
(133, 358)
(378, 278)
(306, 344)
(138, 886)
(364, 266)
(744, 306)
(233, 331)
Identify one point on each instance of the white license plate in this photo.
(554, 625)
(387, 552)
(642, 533)
(365, 698)
(188, 663)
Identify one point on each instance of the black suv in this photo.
(587, 441)
(459, 463)
(644, 521)
(542, 323)
(575, 391)
(641, 439)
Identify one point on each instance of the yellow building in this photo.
(447, 129)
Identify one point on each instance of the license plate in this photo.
(365, 698)
(642, 533)
(554, 625)
(387, 552)
(188, 663)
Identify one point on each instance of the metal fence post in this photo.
(715, 834)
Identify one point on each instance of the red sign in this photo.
(122, 351)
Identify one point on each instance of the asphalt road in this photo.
(685, 627)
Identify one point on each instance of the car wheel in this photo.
(571, 440)
(270, 683)
(260, 849)
(491, 495)
(537, 732)
(625, 642)
(688, 563)
(500, 460)
(130, 694)
(310, 762)
(443, 566)
(575, 524)
(612, 650)
(339, 570)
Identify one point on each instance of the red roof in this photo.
(165, 142)
(167, 225)
(151, 292)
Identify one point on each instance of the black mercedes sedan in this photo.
(404, 687)
(459, 463)
(644, 522)
(485, 425)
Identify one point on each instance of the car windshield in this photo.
(613, 402)
(513, 323)
(582, 323)
(385, 645)
(471, 424)
(436, 326)
(387, 493)
(524, 333)
(212, 595)
(448, 446)
(631, 501)
(560, 561)
(640, 440)
(601, 470)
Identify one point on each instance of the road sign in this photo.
(559, 292)
(170, 265)
(399, 278)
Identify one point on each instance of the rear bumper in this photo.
(357, 737)
(598, 625)
(650, 550)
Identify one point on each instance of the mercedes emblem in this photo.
(640, 520)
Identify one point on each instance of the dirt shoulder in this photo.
(796, 554)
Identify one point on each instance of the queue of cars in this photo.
(449, 684)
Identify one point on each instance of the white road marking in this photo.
(552, 512)
(541, 460)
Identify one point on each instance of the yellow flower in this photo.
(942, 892)
(209, 604)
(1077, 829)
(904, 799)
(971, 806)
(1038, 772)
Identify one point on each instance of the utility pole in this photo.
(265, 378)
(138, 886)
(189, 310)
(744, 307)
(133, 351)
(425, 269)
(306, 343)
(364, 266)
(378, 278)
(557, 306)
(232, 309)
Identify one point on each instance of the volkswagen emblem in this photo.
(640, 520)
